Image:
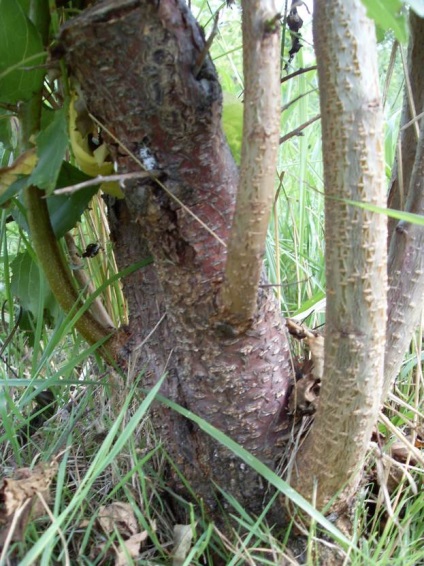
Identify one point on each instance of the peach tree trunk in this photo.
(142, 69)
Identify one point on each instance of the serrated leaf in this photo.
(21, 54)
(29, 285)
(51, 147)
(387, 15)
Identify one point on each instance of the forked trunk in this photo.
(138, 65)
(145, 73)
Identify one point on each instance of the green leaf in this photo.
(21, 50)
(410, 217)
(15, 188)
(232, 123)
(25, 5)
(66, 210)
(387, 15)
(29, 285)
(7, 133)
(51, 147)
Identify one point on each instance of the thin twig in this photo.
(202, 56)
(389, 73)
(285, 284)
(298, 72)
(298, 131)
(286, 106)
(416, 453)
(105, 179)
(150, 333)
(409, 94)
(411, 122)
(402, 403)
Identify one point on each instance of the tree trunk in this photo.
(143, 69)
(334, 453)
(413, 104)
(134, 61)
(406, 241)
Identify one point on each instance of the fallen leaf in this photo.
(305, 396)
(314, 340)
(132, 548)
(118, 516)
(183, 536)
(316, 346)
(19, 501)
(25, 484)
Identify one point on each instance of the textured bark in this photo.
(408, 138)
(406, 275)
(406, 251)
(261, 132)
(134, 61)
(334, 453)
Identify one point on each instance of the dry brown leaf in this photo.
(19, 501)
(316, 346)
(183, 536)
(400, 452)
(132, 548)
(25, 484)
(120, 516)
(305, 396)
(314, 340)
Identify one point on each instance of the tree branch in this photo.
(298, 131)
(255, 195)
(298, 72)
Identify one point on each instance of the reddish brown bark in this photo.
(135, 61)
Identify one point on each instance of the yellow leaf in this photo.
(95, 162)
(23, 165)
